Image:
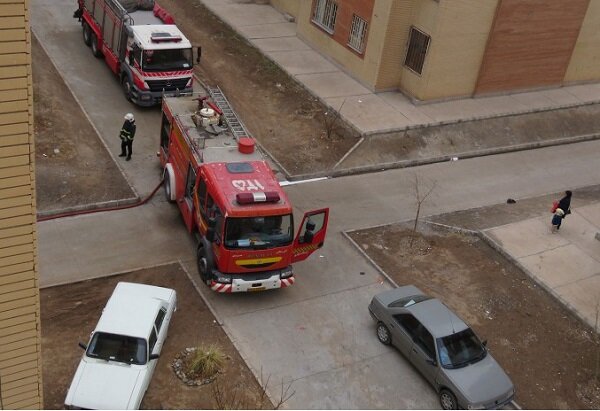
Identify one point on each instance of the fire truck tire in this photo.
(169, 182)
(126, 84)
(95, 50)
(87, 34)
(205, 263)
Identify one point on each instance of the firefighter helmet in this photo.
(129, 117)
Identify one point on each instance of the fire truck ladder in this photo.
(234, 123)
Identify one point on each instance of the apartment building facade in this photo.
(441, 49)
(20, 340)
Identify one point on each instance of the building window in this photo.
(417, 49)
(358, 32)
(324, 14)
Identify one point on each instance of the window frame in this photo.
(414, 56)
(328, 9)
(361, 35)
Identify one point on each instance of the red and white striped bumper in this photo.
(240, 286)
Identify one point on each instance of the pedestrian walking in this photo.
(563, 208)
(127, 134)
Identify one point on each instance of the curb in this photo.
(87, 116)
(88, 207)
(369, 259)
(130, 270)
(440, 159)
(224, 328)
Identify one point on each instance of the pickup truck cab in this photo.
(120, 358)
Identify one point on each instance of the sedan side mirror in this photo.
(154, 356)
(82, 345)
(484, 343)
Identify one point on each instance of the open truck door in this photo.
(311, 234)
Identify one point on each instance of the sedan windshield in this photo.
(460, 349)
(120, 348)
(259, 232)
(167, 60)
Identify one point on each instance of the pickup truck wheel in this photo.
(95, 50)
(448, 400)
(126, 84)
(383, 334)
(87, 34)
(204, 265)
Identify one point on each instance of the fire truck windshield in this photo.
(259, 232)
(167, 60)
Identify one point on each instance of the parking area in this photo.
(70, 313)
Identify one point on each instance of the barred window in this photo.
(417, 49)
(358, 32)
(324, 14)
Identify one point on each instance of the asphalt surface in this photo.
(318, 333)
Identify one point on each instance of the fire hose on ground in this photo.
(101, 210)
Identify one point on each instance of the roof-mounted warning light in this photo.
(164, 38)
(258, 197)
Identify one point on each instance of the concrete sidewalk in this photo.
(368, 112)
(566, 263)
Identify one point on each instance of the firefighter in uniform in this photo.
(127, 134)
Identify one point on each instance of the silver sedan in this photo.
(442, 348)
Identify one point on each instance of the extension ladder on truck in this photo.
(235, 124)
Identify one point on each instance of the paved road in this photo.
(317, 333)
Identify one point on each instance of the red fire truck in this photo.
(142, 47)
(230, 197)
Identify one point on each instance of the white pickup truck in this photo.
(119, 360)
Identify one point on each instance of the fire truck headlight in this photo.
(190, 82)
(224, 279)
(287, 272)
(146, 86)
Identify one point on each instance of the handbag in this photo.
(554, 206)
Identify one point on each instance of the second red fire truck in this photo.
(142, 46)
(228, 194)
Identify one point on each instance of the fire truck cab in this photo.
(230, 197)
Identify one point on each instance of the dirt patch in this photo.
(70, 313)
(548, 353)
(72, 167)
(470, 136)
(285, 118)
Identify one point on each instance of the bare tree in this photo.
(332, 120)
(420, 199)
(235, 400)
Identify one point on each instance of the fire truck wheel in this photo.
(87, 34)
(95, 50)
(205, 264)
(126, 84)
(169, 186)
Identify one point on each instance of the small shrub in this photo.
(206, 361)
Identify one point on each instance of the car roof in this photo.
(437, 318)
(132, 308)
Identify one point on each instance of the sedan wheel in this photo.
(383, 334)
(447, 400)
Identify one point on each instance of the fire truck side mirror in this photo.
(198, 54)
(210, 231)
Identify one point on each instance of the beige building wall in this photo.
(585, 60)
(364, 68)
(459, 32)
(394, 44)
(291, 7)
(20, 341)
